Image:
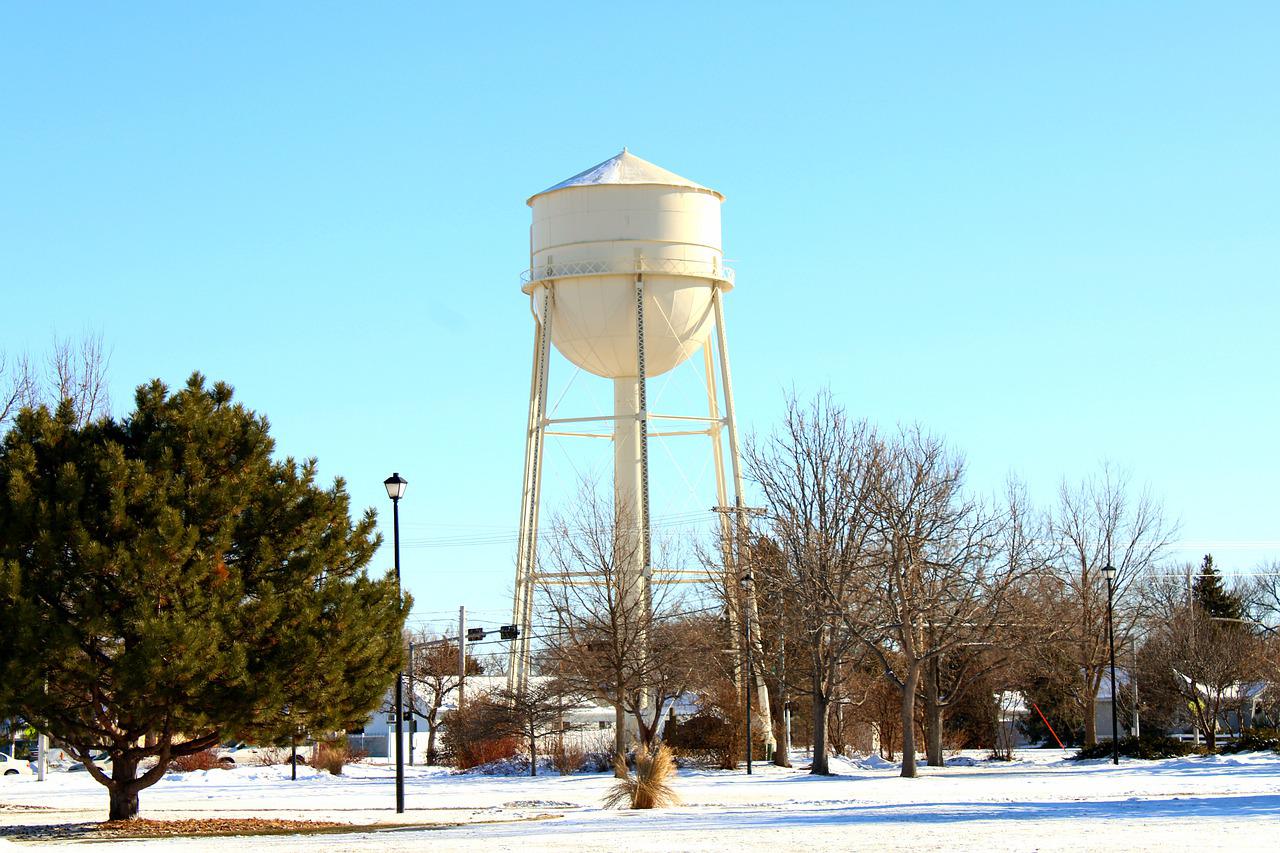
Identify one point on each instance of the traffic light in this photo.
(475, 635)
(508, 632)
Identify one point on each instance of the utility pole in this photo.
(462, 653)
(1133, 679)
(413, 717)
(746, 681)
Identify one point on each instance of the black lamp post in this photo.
(395, 490)
(1109, 572)
(745, 582)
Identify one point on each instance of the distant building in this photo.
(587, 718)
(1243, 703)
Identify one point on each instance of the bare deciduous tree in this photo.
(986, 645)
(532, 713)
(817, 473)
(610, 637)
(435, 676)
(943, 574)
(1096, 523)
(74, 370)
(17, 385)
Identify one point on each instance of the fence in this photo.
(375, 746)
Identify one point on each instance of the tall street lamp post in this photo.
(746, 673)
(1109, 572)
(395, 490)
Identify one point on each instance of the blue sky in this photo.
(1050, 234)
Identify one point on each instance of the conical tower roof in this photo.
(625, 168)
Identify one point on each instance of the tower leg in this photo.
(527, 544)
(742, 540)
(631, 493)
(728, 580)
(628, 475)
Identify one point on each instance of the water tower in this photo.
(626, 278)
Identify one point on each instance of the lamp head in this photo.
(1109, 572)
(395, 486)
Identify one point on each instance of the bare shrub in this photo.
(270, 756)
(206, 759)
(599, 754)
(650, 787)
(567, 758)
(485, 751)
(479, 732)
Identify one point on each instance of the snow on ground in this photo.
(1038, 802)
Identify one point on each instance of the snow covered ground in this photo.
(1038, 802)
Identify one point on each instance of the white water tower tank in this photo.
(592, 234)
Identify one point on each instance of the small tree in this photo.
(436, 677)
(1212, 597)
(1210, 663)
(168, 583)
(613, 640)
(532, 714)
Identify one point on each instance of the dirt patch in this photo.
(214, 827)
(141, 828)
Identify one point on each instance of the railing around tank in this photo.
(669, 266)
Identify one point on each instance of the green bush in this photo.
(1147, 747)
(1255, 740)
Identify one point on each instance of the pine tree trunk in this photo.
(123, 790)
(932, 716)
(909, 721)
(821, 709)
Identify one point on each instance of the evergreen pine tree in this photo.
(1212, 597)
(167, 584)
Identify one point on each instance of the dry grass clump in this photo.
(332, 755)
(650, 787)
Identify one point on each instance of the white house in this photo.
(587, 718)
